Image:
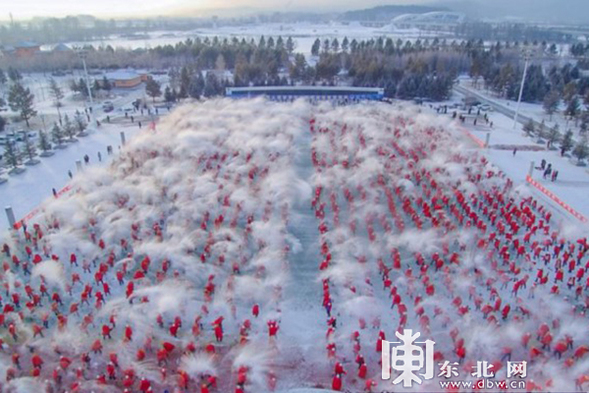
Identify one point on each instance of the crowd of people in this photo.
(166, 270)
(416, 233)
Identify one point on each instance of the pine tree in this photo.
(197, 86)
(14, 75)
(57, 135)
(584, 122)
(96, 86)
(290, 45)
(12, 154)
(567, 142)
(106, 86)
(316, 47)
(553, 135)
(326, 45)
(573, 108)
(153, 88)
(550, 103)
(581, 150)
(168, 95)
(68, 128)
(529, 128)
(542, 130)
(44, 142)
(212, 86)
(30, 149)
(57, 94)
(335, 45)
(345, 44)
(184, 82)
(21, 100)
(569, 92)
(80, 123)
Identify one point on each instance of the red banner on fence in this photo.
(36, 210)
(556, 199)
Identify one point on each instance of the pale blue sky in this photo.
(25, 9)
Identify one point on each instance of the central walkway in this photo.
(304, 321)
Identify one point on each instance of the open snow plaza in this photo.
(252, 246)
(311, 196)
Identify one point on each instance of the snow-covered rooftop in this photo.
(122, 75)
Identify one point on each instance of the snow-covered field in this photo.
(572, 185)
(304, 34)
(271, 246)
(24, 192)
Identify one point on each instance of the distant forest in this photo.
(86, 28)
(405, 69)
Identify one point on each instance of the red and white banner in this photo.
(556, 199)
(36, 210)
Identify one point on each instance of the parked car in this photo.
(108, 106)
(127, 109)
(20, 135)
(6, 138)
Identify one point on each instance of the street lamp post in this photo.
(527, 57)
(83, 54)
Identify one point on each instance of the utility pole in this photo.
(527, 56)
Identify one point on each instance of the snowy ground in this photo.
(531, 110)
(26, 191)
(386, 214)
(572, 185)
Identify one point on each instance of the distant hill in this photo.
(539, 11)
(388, 12)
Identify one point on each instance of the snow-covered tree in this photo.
(12, 154)
(550, 103)
(553, 135)
(290, 45)
(567, 142)
(581, 150)
(57, 95)
(68, 128)
(29, 148)
(21, 100)
(80, 123)
(57, 135)
(44, 142)
(153, 88)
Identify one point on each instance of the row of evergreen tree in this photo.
(15, 154)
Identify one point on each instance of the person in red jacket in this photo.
(336, 383)
(128, 333)
(218, 327)
(37, 361)
(106, 331)
(144, 385)
(272, 328)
